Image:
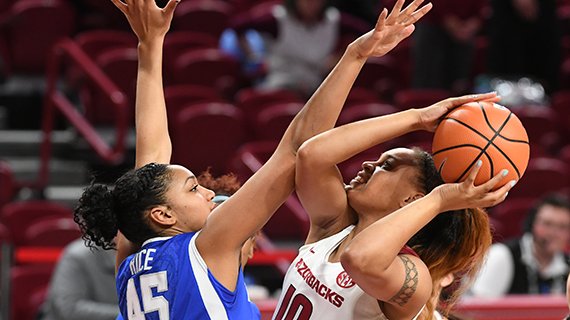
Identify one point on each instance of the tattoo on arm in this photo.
(410, 283)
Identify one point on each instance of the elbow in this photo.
(355, 261)
(309, 154)
(359, 261)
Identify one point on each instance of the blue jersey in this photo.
(168, 279)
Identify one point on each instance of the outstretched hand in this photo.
(466, 194)
(431, 116)
(390, 29)
(147, 20)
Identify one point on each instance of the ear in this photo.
(411, 199)
(162, 216)
(447, 280)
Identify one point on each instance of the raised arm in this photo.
(318, 182)
(371, 258)
(150, 24)
(250, 208)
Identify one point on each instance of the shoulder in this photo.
(500, 251)
(332, 14)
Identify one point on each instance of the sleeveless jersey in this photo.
(168, 279)
(315, 288)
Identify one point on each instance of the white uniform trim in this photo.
(212, 302)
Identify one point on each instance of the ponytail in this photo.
(96, 218)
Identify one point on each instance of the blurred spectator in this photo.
(367, 10)
(301, 38)
(535, 263)
(443, 49)
(82, 286)
(524, 40)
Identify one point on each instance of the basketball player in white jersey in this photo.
(354, 264)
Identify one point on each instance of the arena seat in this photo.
(360, 95)
(95, 42)
(271, 123)
(120, 65)
(379, 75)
(207, 67)
(19, 215)
(206, 135)
(543, 175)
(51, 232)
(26, 282)
(27, 54)
(540, 125)
(181, 96)
(364, 111)
(204, 16)
(252, 100)
(176, 43)
(510, 215)
(419, 98)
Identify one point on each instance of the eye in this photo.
(194, 189)
(387, 165)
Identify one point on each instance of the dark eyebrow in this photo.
(191, 177)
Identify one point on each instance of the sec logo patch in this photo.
(344, 280)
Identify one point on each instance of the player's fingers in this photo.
(499, 195)
(381, 20)
(473, 97)
(490, 185)
(494, 99)
(395, 11)
(419, 14)
(119, 4)
(412, 7)
(170, 6)
(470, 180)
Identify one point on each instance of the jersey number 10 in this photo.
(299, 304)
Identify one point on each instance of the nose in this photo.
(368, 165)
(208, 194)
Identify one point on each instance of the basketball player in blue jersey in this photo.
(177, 257)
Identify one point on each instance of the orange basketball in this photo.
(480, 130)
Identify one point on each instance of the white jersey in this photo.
(315, 288)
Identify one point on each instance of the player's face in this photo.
(189, 202)
(310, 9)
(382, 185)
(551, 228)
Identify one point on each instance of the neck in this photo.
(365, 220)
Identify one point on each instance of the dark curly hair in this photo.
(453, 242)
(102, 211)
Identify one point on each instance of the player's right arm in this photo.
(150, 24)
(327, 208)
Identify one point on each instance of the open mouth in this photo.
(361, 178)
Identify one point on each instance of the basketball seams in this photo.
(468, 127)
(509, 160)
(440, 169)
(514, 140)
(489, 141)
(477, 135)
